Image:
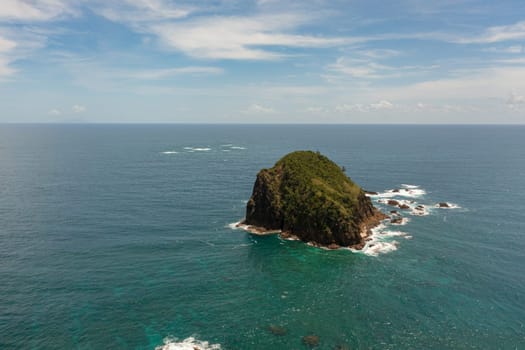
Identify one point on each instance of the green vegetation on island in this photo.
(307, 195)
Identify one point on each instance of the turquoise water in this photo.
(110, 239)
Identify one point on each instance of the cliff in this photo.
(308, 196)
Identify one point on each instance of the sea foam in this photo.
(402, 192)
(187, 344)
(380, 241)
(450, 206)
(197, 149)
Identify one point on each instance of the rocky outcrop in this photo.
(307, 196)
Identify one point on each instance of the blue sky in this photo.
(262, 61)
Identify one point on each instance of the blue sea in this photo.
(121, 237)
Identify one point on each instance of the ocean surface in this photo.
(120, 237)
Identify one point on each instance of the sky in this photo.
(262, 61)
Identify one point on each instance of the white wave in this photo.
(187, 344)
(227, 145)
(409, 186)
(237, 147)
(242, 245)
(419, 210)
(412, 192)
(393, 234)
(403, 222)
(237, 226)
(374, 248)
(197, 149)
(226, 150)
(169, 152)
(449, 206)
(398, 202)
(378, 242)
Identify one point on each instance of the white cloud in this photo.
(515, 101)
(356, 68)
(366, 69)
(380, 53)
(514, 49)
(481, 84)
(6, 48)
(239, 38)
(6, 45)
(383, 104)
(497, 34)
(78, 109)
(54, 112)
(18, 42)
(158, 74)
(34, 10)
(257, 108)
(140, 11)
(248, 37)
(315, 109)
(363, 108)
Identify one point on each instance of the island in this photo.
(307, 196)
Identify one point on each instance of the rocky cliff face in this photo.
(308, 196)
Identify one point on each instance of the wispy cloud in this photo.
(18, 42)
(35, 10)
(54, 112)
(259, 109)
(194, 32)
(240, 38)
(513, 49)
(515, 101)
(78, 109)
(366, 68)
(360, 107)
(141, 11)
(159, 74)
(496, 34)
(6, 48)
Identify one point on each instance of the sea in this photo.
(124, 237)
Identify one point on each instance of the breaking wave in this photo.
(448, 206)
(197, 149)
(187, 344)
(380, 241)
(402, 201)
(169, 152)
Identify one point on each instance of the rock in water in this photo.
(307, 195)
(311, 340)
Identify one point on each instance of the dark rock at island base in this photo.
(393, 212)
(277, 330)
(333, 246)
(443, 205)
(372, 193)
(404, 206)
(392, 202)
(396, 190)
(396, 221)
(307, 196)
(311, 340)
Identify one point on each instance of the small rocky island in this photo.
(307, 196)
